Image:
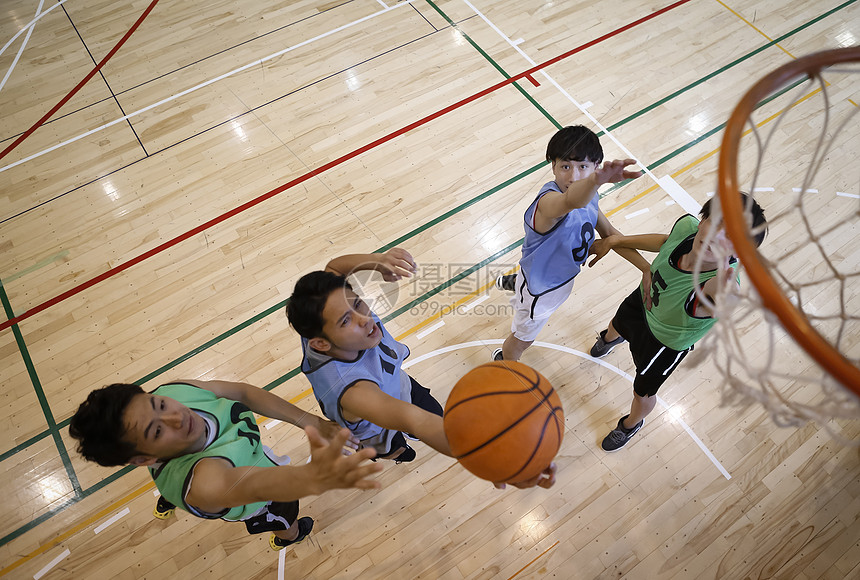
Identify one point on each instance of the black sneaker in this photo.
(602, 348)
(497, 354)
(507, 282)
(619, 436)
(305, 526)
(163, 509)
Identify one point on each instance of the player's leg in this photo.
(282, 519)
(513, 348)
(531, 314)
(611, 337)
(640, 408)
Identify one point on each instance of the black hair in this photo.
(575, 143)
(305, 308)
(98, 425)
(751, 208)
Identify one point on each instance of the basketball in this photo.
(504, 422)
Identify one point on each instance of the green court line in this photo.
(40, 394)
(37, 265)
(728, 66)
(496, 65)
(294, 372)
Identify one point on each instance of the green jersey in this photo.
(671, 318)
(237, 439)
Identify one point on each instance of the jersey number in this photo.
(253, 432)
(657, 280)
(581, 253)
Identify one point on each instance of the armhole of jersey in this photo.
(186, 487)
(340, 408)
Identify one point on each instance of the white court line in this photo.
(518, 41)
(636, 213)
(469, 305)
(204, 84)
(30, 25)
(670, 202)
(23, 45)
(676, 192)
(383, 4)
(564, 349)
(427, 331)
(282, 558)
(843, 194)
(582, 108)
(797, 190)
(156, 493)
(763, 189)
(50, 565)
(115, 518)
(270, 423)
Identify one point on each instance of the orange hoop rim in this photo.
(792, 319)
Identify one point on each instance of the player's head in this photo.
(121, 424)
(755, 218)
(574, 153)
(325, 310)
(98, 427)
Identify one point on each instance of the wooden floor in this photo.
(152, 228)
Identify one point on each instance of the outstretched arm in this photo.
(394, 264)
(553, 205)
(269, 405)
(217, 485)
(620, 244)
(366, 400)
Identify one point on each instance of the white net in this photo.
(798, 159)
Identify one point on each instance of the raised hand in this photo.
(333, 470)
(395, 264)
(615, 171)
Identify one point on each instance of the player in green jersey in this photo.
(662, 322)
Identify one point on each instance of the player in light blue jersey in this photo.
(560, 227)
(355, 366)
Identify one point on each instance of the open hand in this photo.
(600, 248)
(328, 430)
(333, 470)
(615, 171)
(395, 264)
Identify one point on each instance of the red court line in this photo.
(323, 168)
(80, 85)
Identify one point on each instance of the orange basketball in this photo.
(504, 422)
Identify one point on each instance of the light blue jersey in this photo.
(553, 259)
(330, 378)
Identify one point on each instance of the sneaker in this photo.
(406, 456)
(507, 282)
(163, 509)
(602, 348)
(497, 354)
(305, 526)
(619, 436)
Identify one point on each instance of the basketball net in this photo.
(789, 338)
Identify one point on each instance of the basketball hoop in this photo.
(799, 278)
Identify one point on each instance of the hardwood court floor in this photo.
(153, 226)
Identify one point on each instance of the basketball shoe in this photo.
(305, 526)
(619, 436)
(602, 348)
